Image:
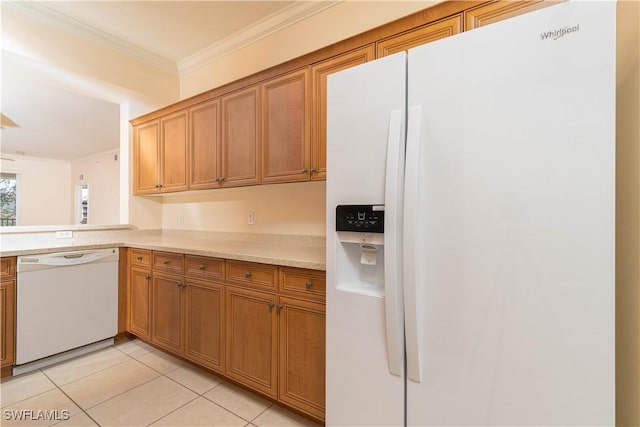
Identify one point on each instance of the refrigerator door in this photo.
(365, 159)
(514, 192)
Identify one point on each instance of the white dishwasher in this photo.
(65, 301)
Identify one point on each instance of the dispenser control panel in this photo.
(360, 218)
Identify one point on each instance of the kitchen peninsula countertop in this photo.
(276, 249)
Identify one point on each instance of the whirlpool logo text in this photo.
(560, 32)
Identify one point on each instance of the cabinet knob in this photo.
(304, 170)
(157, 185)
(201, 267)
(180, 284)
(161, 186)
(139, 258)
(166, 262)
(147, 277)
(221, 179)
(247, 275)
(309, 284)
(313, 170)
(271, 305)
(279, 307)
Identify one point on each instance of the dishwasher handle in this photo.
(65, 259)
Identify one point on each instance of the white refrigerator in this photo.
(470, 228)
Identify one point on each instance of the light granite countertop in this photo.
(285, 250)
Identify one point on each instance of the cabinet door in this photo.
(204, 154)
(285, 128)
(7, 322)
(252, 339)
(140, 303)
(428, 33)
(204, 324)
(319, 73)
(146, 160)
(166, 330)
(302, 355)
(173, 154)
(499, 10)
(241, 137)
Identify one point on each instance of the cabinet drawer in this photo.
(253, 275)
(8, 267)
(303, 283)
(204, 267)
(140, 257)
(165, 261)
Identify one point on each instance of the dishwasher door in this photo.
(64, 301)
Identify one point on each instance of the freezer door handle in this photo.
(393, 244)
(411, 273)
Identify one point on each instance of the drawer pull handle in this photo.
(271, 305)
(166, 261)
(247, 275)
(139, 258)
(201, 267)
(309, 284)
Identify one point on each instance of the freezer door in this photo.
(510, 300)
(365, 159)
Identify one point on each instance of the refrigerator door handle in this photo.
(392, 243)
(411, 254)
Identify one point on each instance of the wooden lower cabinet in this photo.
(7, 321)
(301, 329)
(252, 337)
(140, 302)
(204, 324)
(167, 308)
(259, 325)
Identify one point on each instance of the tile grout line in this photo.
(30, 397)
(74, 402)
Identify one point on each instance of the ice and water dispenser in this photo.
(360, 248)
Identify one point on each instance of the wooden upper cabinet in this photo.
(319, 73)
(428, 33)
(495, 11)
(205, 145)
(285, 124)
(241, 137)
(146, 149)
(173, 154)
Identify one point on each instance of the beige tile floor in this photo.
(133, 384)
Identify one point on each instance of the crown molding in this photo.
(277, 21)
(41, 12)
(283, 18)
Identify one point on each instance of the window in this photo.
(8, 193)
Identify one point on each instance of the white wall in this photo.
(297, 208)
(44, 190)
(102, 175)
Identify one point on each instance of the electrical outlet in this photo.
(250, 218)
(64, 234)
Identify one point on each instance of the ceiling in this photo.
(61, 122)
